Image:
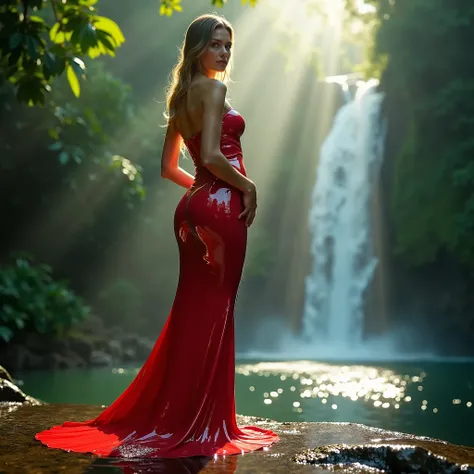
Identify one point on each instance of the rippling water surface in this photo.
(425, 398)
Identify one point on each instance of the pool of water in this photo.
(424, 398)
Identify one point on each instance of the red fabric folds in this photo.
(182, 402)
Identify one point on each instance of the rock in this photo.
(57, 361)
(9, 392)
(144, 348)
(45, 352)
(35, 362)
(70, 360)
(122, 347)
(129, 355)
(82, 346)
(60, 346)
(92, 325)
(130, 340)
(115, 332)
(140, 345)
(114, 348)
(17, 357)
(99, 359)
(4, 375)
(101, 344)
(356, 444)
(390, 458)
(38, 343)
(76, 359)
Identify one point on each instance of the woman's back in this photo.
(190, 121)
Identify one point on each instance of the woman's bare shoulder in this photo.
(209, 87)
(209, 93)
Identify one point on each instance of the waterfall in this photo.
(340, 221)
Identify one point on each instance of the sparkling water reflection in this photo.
(424, 398)
(434, 399)
(382, 387)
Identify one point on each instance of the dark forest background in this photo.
(81, 191)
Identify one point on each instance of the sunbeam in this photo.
(278, 50)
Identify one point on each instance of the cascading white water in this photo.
(343, 260)
(340, 221)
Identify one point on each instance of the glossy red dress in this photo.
(182, 403)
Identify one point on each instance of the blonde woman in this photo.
(182, 401)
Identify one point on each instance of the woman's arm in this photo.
(170, 168)
(212, 157)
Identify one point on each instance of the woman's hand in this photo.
(250, 205)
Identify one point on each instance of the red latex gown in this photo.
(181, 403)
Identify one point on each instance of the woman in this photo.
(182, 402)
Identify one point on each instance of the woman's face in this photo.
(217, 54)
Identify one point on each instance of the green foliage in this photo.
(42, 39)
(425, 225)
(426, 46)
(84, 129)
(32, 300)
(168, 7)
(81, 133)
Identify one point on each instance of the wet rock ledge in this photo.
(304, 447)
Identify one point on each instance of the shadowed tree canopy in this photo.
(42, 39)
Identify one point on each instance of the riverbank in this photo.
(89, 345)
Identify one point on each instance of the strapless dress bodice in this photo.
(233, 126)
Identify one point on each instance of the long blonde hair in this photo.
(197, 37)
